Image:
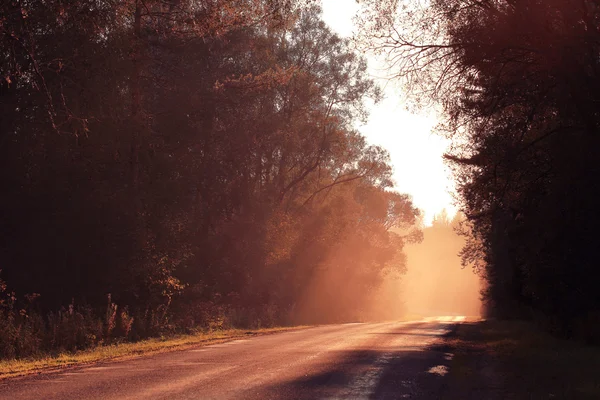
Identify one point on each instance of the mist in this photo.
(432, 283)
(435, 282)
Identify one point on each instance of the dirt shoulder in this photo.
(515, 360)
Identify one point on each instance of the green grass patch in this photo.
(13, 368)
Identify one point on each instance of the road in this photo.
(393, 360)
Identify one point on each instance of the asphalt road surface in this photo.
(394, 360)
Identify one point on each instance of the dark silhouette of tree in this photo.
(195, 160)
(518, 81)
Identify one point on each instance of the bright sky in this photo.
(416, 152)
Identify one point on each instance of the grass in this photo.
(518, 361)
(13, 368)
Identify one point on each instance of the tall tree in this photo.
(193, 156)
(518, 81)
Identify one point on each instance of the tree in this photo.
(517, 81)
(194, 162)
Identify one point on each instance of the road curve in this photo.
(392, 360)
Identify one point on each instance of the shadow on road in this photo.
(394, 372)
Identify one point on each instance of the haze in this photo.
(275, 188)
(435, 282)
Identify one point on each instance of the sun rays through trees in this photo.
(194, 161)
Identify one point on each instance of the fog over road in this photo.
(392, 360)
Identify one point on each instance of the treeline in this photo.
(174, 165)
(520, 83)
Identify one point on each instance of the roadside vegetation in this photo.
(517, 360)
(173, 166)
(517, 84)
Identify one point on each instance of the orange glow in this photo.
(416, 153)
(435, 283)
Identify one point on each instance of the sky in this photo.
(415, 151)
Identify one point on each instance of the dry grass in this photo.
(13, 368)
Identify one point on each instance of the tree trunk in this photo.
(136, 97)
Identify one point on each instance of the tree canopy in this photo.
(517, 81)
(195, 161)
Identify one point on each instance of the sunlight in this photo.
(416, 152)
(341, 199)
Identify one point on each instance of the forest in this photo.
(171, 165)
(174, 165)
(518, 83)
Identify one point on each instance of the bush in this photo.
(25, 332)
(73, 329)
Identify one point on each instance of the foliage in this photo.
(196, 160)
(519, 83)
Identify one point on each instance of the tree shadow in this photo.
(399, 372)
